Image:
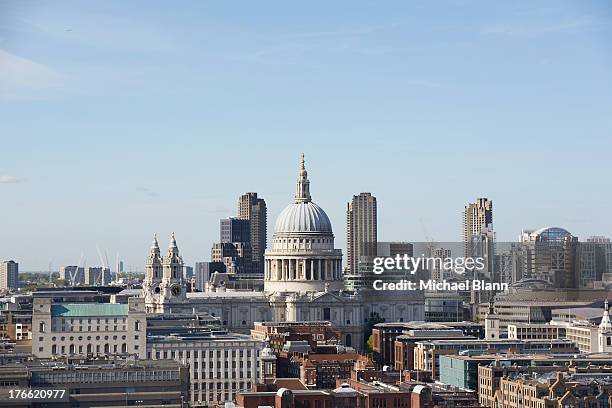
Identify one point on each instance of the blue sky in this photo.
(120, 119)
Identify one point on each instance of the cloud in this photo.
(576, 24)
(21, 78)
(5, 179)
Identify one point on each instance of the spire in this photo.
(154, 254)
(302, 189)
(154, 246)
(173, 248)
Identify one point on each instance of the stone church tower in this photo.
(605, 331)
(164, 284)
(153, 274)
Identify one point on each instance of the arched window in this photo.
(124, 348)
(137, 325)
(54, 349)
(106, 348)
(89, 348)
(41, 327)
(348, 340)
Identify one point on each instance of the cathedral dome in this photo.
(302, 257)
(303, 217)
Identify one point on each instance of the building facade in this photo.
(253, 208)
(72, 275)
(98, 383)
(550, 255)
(97, 276)
(88, 329)
(361, 230)
(220, 364)
(9, 275)
(476, 216)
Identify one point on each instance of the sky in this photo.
(122, 119)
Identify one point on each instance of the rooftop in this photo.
(88, 309)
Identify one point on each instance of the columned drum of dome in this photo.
(302, 257)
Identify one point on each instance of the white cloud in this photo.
(21, 78)
(8, 179)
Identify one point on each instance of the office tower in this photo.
(361, 230)
(476, 216)
(204, 270)
(437, 271)
(594, 261)
(252, 208)
(482, 245)
(9, 275)
(401, 249)
(72, 275)
(549, 254)
(236, 256)
(235, 230)
(120, 267)
(235, 250)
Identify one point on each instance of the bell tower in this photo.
(172, 288)
(153, 275)
(605, 331)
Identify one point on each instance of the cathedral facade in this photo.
(302, 281)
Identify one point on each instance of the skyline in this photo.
(161, 123)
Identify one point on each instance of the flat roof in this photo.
(532, 357)
(418, 324)
(208, 336)
(88, 310)
(498, 341)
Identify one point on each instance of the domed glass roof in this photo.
(303, 217)
(552, 233)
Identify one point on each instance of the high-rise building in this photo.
(437, 271)
(187, 272)
(72, 275)
(551, 255)
(594, 260)
(476, 216)
(236, 256)
(235, 230)
(234, 249)
(361, 230)
(252, 208)
(203, 272)
(9, 275)
(97, 276)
